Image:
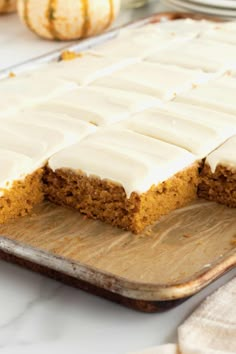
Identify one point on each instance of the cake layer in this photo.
(158, 80)
(218, 177)
(200, 53)
(218, 94)
(132, 160)
(108, 202)
(99, 105)
(23, 195)
(191, 134)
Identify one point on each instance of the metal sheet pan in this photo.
(176, 258)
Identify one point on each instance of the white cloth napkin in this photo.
(211, 329)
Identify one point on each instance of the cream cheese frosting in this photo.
(224, 155)
(218, 95)
(141, 42)
(200, 53)
(99, 105)
(222, 32)
(226, 123)
(27, 91)
(185, 27)
(132, 160)
(84, 69)
(138, 43)
(158, 80)
(194, 136)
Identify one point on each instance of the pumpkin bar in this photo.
(84, 69)
(200, 53)
(122, 177)
(141, 42)
(158, 80)
(26, 143)
(19, 92)
(218, 177)
(190, 133)
(99, 105)
(218, 94)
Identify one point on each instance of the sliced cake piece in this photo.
(200, 53)
(24, 91)
(123, 178)
(197, 137)
(138, 43)
(24, 151)
(218, 177)
(158, 80)
(99, 105)
(142, 41)
(218, 94)
(84, 69)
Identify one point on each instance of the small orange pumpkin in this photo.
(68, 19)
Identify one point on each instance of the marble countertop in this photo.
(39, 315)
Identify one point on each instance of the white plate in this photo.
(227, 4)
(189, 7)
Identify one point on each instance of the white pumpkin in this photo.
(7, 6)
(68, 19)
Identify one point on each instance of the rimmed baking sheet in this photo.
(169, 262)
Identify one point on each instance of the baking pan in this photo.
(150, 272)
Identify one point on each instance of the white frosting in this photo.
(35, 137)
(139, 43)
(161, 81)
(224, 155)
(23, 91)
(192, 135)
(210, 56)
(218, 95)
(222, 122)
(132, 160)
(99, 105)
(84, 69)
(185, 27)
(222, 32)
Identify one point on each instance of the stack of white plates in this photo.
(219, 8)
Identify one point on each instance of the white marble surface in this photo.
(38, 315)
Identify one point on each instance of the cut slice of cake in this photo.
(200, 53)
(24, 151)
(218, 94)
(161, 81)
(99, 105)
(218, 177)
(123, 178)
